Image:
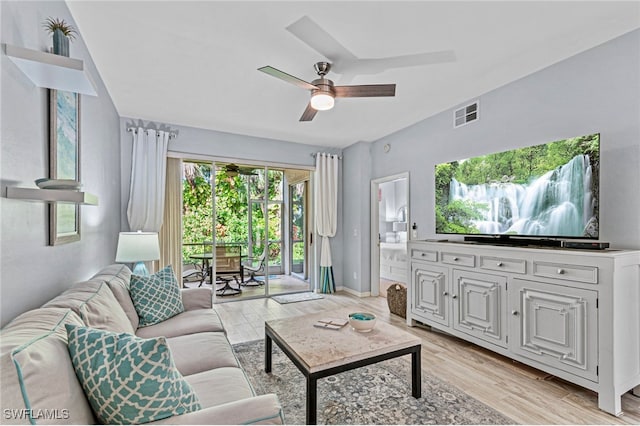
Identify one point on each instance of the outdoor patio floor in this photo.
(278, 284)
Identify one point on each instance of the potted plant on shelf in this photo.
(62, 33)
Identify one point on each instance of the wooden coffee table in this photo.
(320, 352)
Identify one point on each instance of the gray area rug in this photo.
(375, 394)
(297, 297)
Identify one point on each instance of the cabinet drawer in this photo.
(431, 256)
(585, 274)
(518, 266)
(459, 259)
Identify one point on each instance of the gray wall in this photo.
(595, 91)
(31, 271)
(356, 217)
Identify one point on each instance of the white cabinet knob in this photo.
(560, 271)
(499, 263)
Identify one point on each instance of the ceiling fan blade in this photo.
(308, 113)
(286, 77)
(404, 61)
(247, 171)
(365, 90)
(319, 40)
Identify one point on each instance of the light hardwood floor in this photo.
(524, 394)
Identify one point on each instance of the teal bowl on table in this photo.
(362, 321)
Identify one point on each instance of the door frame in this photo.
(375, 227)
(305, 205)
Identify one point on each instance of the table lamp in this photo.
(138, 247)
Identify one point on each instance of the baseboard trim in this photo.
(353, 292)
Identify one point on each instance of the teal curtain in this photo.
(327, 283)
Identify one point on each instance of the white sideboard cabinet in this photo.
(572, 313)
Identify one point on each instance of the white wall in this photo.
(31, 271)
(595, 91)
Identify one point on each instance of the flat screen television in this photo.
(545, 191)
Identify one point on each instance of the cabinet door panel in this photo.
(555, 325)
(430, 292)
(479, 306)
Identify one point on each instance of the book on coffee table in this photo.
(331, 323)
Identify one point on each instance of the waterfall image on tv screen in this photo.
(548, 190)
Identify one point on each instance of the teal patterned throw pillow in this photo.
(128, 380)
(156, 297)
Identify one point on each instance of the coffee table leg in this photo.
(267, 354)
(416, 374)
(312, 401)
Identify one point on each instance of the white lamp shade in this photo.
(322, 101)
(138, 247)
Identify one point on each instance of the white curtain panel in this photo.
(148, 176)
(326, 202)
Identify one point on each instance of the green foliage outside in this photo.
(297, 223)
(197, 214)
(516, 166)
(232, 210)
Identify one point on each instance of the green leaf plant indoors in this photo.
(62, 33)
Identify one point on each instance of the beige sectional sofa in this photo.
(37, 376)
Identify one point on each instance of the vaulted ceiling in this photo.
(194, 63)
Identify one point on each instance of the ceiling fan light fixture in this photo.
(322, 101)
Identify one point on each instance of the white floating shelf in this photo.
(52, 195)
(52, 71)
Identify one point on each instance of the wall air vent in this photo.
(466, 114)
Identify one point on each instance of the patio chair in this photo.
(254, 266)
(192, 273)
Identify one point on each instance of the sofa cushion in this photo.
(128, 379)
(96, 305)
(156, 297)
(197, 298)
(259, 410)
(36, 372)
(195, 353)
(188, 322)
(117, 278)
(219, 386)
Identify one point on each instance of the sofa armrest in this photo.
(263, 409)
(197, 298)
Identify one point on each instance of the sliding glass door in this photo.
(298, 230)
(254, 212)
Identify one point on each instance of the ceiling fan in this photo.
(347, 64)
(323, 91)
(233, 170)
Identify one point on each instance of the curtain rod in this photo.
(172, 135)
(314, 155)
